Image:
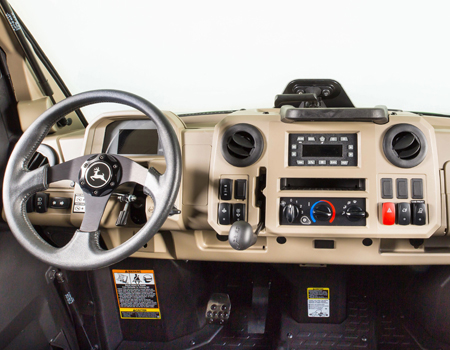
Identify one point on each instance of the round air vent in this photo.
(242, 145)
(405, 145)
(44, 155)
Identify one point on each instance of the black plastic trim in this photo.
(206, 113)
(377, 115)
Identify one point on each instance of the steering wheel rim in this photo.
(83, 252)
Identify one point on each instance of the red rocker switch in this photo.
(388, 213)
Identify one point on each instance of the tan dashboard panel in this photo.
(193, 234)
(371, 167)
(203, 245)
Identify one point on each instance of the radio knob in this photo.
(291, 212)
(322, 212)
(355, 213)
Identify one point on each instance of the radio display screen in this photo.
(138, 141)
(322, 151)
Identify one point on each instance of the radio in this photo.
(323, 150)
(323, 211)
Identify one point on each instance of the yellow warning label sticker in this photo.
(136, 294)
(318, 302)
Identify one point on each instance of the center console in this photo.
(329, 179)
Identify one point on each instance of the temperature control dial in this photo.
(323, 210)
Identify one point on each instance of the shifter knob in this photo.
(241, 235)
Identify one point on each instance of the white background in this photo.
(189, 56)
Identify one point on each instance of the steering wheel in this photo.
(98, 175)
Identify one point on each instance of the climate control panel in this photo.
(323, 211)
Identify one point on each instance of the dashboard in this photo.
(330, 192)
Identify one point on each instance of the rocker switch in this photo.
(388, 213)
(419, 213)
(224, 214)
(404, 213)
(41, 203)
(238, 212)
(225, 189)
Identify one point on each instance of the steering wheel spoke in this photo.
(150, 178)
(84, 245)
(66, 171)
(95, 207)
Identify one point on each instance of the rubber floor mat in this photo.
(364, 328)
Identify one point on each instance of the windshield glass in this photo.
(191, 56)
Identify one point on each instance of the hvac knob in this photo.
(355, 213)
(291, 212)
(322, 212)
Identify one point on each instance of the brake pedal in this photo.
(218, 309)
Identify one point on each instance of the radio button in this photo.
(344, 162)
(322, 162)
(311, 162)
(300, 162)
(333, 139)
(350, 147)
(311, 138)
(333, 162)
(345, 138)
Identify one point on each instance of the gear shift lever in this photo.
(241, 235)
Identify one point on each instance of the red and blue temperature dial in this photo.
(323, 210)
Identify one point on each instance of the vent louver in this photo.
(405, 145)
(242, 145)
(37, 161)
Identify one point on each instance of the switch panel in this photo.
(322, 211)
(60, 203)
